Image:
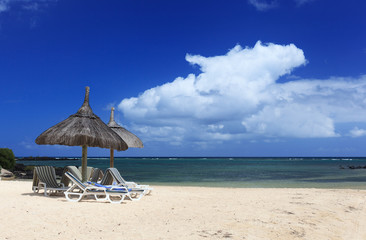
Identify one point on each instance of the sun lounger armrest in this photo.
(130, 184)
(136, 185)
(95, 188)
(116, 187)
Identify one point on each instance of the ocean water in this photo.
(233, 172)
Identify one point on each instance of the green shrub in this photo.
(29, 168)
(7, 159)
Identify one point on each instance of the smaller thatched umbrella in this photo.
(131, 139)
(83, 128)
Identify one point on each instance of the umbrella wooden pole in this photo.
(84, 163)
(111, 164)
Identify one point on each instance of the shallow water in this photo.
(234, 172)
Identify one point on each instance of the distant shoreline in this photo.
(46, 158)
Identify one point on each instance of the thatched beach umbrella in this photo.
(131, 139)
(85, 129)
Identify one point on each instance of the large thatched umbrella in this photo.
(85, 129)
(131, 139)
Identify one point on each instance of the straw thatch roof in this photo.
(83, 128)
(131, 139)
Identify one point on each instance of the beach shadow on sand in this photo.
(33, 194)
(62, 198)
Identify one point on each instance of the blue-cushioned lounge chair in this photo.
(101, 193)
(112, 176)
(44, 177)
(134, 194)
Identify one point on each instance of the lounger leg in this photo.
(104, 198)
(70, 192)
(136, 196)
(122, 197)
(44, 188)
(73, 194)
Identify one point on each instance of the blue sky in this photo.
(190, 78)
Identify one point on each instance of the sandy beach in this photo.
(186, 213)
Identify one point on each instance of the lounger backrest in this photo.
(117, 176)
(107, 178)
(97, 174)
(35, 178)
(74, 171)
(47, 174)
(89, 171)
(75, 180)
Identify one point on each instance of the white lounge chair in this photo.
(134, 194)
(112, 175)
(44, 177)
(101, 193)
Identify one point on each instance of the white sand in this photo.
(186, 213)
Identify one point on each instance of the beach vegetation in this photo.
(7, 158)
(29, 168)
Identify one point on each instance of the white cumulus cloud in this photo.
(237, 96)
(357, 132)
(290, 120)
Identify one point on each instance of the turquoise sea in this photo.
(246, 172)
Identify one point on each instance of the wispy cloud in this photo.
(28, 144)
(4, 5)
(263, 5)
(24, 5)
(237, 96)
(301, 2)
(31, 7)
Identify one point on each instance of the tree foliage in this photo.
(7, 159)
